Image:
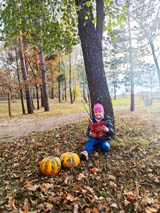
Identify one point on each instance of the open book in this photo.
(97, 128)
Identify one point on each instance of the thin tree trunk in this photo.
(37, 96)
(132, 106)
(65, 86)
(19, 82)
(75, 88)
(70, 79)
(9, 105)
(155, 60)
(59, 91)
(42, 101)
(25, 77)
(35, 78)
(59, 83)
(44, 82)
(52, 92)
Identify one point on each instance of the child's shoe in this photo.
(84, 155)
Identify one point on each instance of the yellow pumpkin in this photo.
(50, 165)
(69, 159)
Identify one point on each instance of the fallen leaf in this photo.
(45, 186)
(89, 189)
(87, 210)
(80, 176)
(126, 202)
(26, 206)
(67, 179)
(49, 206)
(71, 198)
(95, 210)
(112, 184)
(131, 197)
(114, 205)
(41, 206)
(111, 177)
(75, 208)
(150, 210)
(57, 149)
(76, 187)
(11, 203)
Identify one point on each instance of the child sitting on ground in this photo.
(102, 143)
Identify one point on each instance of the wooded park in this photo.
(57, 60)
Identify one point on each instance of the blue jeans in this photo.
(97, 144)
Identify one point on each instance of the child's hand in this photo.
(92, 134)
(105, 129)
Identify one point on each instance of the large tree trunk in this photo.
(44, 82)
(91, 41)
(25, 77)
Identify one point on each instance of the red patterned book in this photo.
(97, 128)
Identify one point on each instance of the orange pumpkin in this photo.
(50, 165)
(69, 159)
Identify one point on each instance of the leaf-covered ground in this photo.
(126, 179)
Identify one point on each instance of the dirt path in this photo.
(11, 129)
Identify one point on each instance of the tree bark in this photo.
(91, 41)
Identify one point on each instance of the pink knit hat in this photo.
(98, 107)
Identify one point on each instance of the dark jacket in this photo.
(108, 124)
